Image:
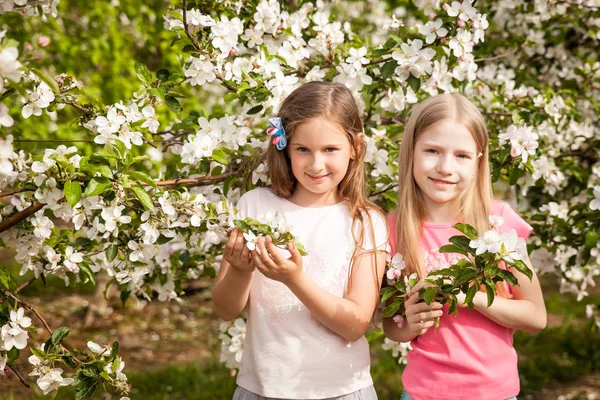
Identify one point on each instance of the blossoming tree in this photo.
(147, 173)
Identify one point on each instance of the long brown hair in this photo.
(336, 103)
(475, 203)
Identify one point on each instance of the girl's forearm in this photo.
(230, 294)
(520, 314)
(393, 332)
(344, 317)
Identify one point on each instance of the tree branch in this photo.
(20, 216)
(23, 381)
(185, 28)
(203, 180)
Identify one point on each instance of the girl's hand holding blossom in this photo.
(420, 316)
(237, 253)
(269, 260)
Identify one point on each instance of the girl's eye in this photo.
(302, 149)
(330, 149)
(463, 156)
(432, 151)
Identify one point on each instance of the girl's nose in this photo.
(444, 165)
(317, 163)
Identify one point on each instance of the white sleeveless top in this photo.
(287, 353)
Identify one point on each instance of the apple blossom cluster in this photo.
(475, 264)
(232, 336)
(30, 7)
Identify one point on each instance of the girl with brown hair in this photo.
(308, 315)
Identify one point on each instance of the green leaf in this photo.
(392, 309)
(388, 69)
(591, 239)
(173, 104)
(89, 275)
(430, 294)
(255, 110)
(6, 279)
(467, 230)
(142, 177)
(13, 354)
(59, 335)
(143, 197)
(465, 275)
(450, 248)
(515, 174)
(523, 268)
(143, 73)
(229, 97)
(163, 75)
(37, 352)
(301, 248)
(462, 242)
(414, 83)
(508, 277)
(470, 295)
(72, 192)
(220, 156)
(111, 252)
(97, 186)
(124, 296)
(387, 292)
(490, 293)
(188, 48)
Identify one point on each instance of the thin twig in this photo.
(25, 284)
(86, 111)
(11, 192)
(8, 293)
(185, 28)
(499, 56)
(197, 181)
(53, 140)
(383, 190)
(23, 381)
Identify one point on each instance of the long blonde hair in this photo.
(336, 103)
(475, 203)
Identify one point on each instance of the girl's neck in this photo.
(444, 213)
(305, 198)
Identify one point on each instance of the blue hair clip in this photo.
(276, 130)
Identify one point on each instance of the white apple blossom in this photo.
(413, 59)
(432, 30)
(397, 101)
(464, 10)
(462, 43)
(42, 226)
(200, 71)
(13, 336)
(9, 66)
(491, 241)
(398, 349)
(251, 240)
(18, 318)
(513, 247)
(225, 33)
(5, 119)
(53, 380)
(109, 124)
(72, 258)
(595, 203)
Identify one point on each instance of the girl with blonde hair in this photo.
(444, 178)
(307, 315)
